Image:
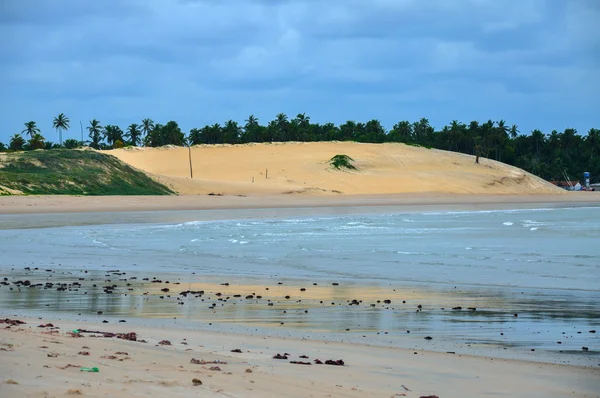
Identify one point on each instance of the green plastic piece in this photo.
(84, 369)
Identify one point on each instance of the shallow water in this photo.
(540, 264)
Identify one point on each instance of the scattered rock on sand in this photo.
(12, 322)
(164, 342)
(339, 362)
(11, 381)
(236, 350)
(197, 382)
(279, 356)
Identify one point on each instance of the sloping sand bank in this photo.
(44, 361)
(304, 168)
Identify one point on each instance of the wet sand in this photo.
(500, 323)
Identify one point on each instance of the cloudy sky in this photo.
(534, 63)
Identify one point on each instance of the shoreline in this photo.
(95, 204)
(144, 368)
(59, 211)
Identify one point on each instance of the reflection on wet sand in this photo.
(402, 314)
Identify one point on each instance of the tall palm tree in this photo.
(134, 134)
(95, 130)
(147, 126)
(61, 123)
(31, 129)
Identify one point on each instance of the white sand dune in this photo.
(303, 168)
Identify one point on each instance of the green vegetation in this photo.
(342, 162)
(72, 172)
(549, 156)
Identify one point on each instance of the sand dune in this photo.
(303, 168)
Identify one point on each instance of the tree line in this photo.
(550, 156)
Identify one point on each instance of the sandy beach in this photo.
(46, 361)
(316, 203)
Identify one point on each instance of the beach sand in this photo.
(290, 204)
(303, 168)
(35, 363)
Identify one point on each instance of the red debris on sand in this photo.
(429, 396)
(68, 366)
(83, 353)
(164, 342)
(318, 362)
(300, 363)
(131, 336)
(203, 362)
(279, 356)
(74, 335)
(339, 362)
(48, 325)
(12, 322)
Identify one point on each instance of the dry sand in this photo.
(289, 205)
(29, 367)
(304, 168)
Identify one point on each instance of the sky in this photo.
(534, 63)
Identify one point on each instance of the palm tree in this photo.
(112, 134)
(31, 129)
(134, 134)
(37, 141)
(16, 142)
(60, 123)
(537, 140)
(95, 130)
(147, 126)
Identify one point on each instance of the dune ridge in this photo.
(303, 168)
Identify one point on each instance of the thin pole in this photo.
(81, 126)
(190, 155)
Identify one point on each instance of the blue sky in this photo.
(534, 63)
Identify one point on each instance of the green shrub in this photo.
(342, 162)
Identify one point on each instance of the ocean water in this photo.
(542, 265)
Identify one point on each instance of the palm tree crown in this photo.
(61, 123)
(30, 129)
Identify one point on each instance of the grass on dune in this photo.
(74, 172)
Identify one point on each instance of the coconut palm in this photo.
(95, 130)
(30, 129)
(134, 134)
(16, 142)
(112, 134)
(37, 142)
(147, 126)
(61, 123)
